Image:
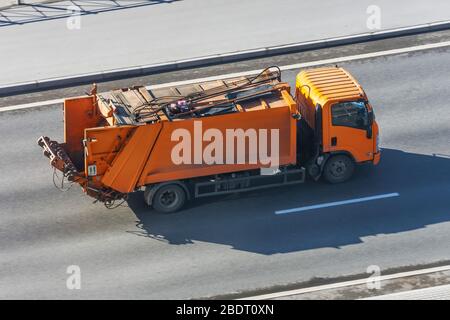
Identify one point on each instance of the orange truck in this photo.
(201, 139)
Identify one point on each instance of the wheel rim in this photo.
(338, 168)
(168, 198)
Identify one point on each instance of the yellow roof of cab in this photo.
(328, 84)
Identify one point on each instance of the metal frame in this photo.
(284, 175)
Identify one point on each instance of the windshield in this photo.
(352, 114)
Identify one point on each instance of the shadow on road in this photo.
(27, 13)
(247, 222)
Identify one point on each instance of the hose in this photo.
(60, 188)
(196, 97)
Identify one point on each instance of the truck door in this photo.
(350, 130)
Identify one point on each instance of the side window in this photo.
(350, 114)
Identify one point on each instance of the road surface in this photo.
(37, 44)
(237, 243)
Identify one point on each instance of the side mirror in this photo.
(370, 117)
(369, 132)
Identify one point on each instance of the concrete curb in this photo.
(107, 75)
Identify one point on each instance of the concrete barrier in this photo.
(134, 71)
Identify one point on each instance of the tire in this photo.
(169, 198)
(338, 169)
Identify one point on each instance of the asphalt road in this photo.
(237, 243)
(37, 44)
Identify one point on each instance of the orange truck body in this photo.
(111, 153)
(145, 157)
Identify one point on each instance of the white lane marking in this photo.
(441, 155)
(32, 105)
(370, 55)
(346, 284)
(338, 203)
(432, 293)
(252, 72)
(309, 64)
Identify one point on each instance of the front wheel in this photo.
(338, 169)
(169, 198)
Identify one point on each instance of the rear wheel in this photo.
(338, 169)
(169, 198)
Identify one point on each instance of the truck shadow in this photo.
(247, 222)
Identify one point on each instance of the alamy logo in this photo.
(229, 146)
(73, 282)
(373, 21)
(374, 281)
(73, 22)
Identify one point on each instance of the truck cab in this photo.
(337, 123)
